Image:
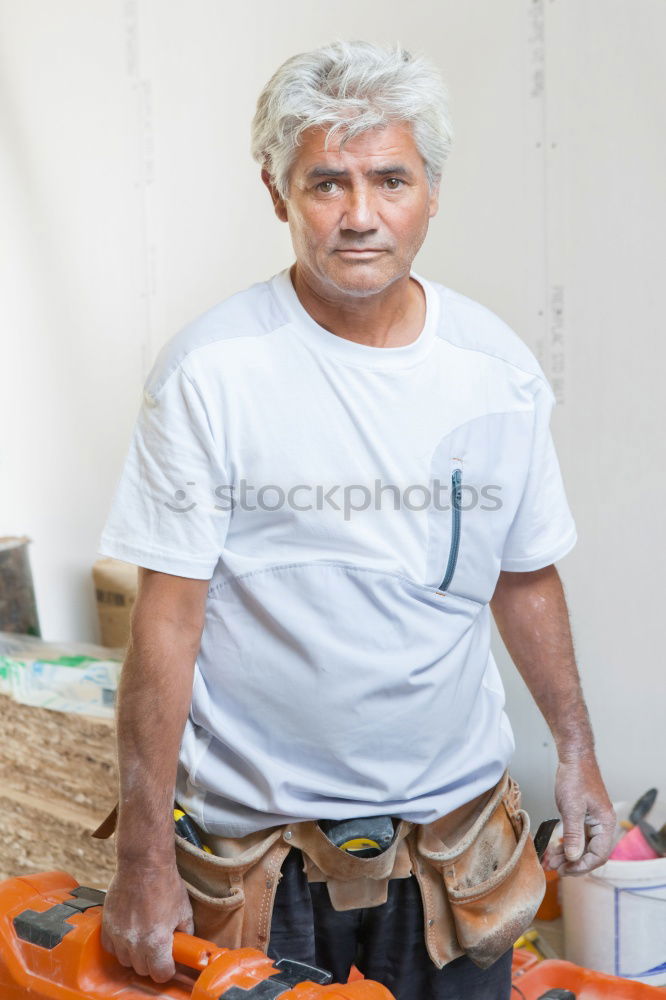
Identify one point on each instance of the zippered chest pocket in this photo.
(455, 492)
(445, 522)
(479, 471)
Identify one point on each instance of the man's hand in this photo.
(587, 815)
(144, 906)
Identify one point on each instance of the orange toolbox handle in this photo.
(194, 952)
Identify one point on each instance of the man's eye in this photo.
(322, 186)
(394, 183)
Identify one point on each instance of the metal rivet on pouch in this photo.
(288, 835)
(430, 923)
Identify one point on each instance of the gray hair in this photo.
(349, 88)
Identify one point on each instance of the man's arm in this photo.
(147, 900)
(532, 618)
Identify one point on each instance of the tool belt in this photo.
(480, 878)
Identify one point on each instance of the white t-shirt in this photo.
(345, 666)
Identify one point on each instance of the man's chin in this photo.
(360, 278)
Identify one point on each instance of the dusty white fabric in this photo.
(335, 679)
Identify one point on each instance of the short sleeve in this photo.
(164, 515)
(543, 529)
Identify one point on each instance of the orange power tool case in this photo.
(50, 947)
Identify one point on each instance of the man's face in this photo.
(358, 216)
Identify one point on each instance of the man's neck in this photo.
(392, 318)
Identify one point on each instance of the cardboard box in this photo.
(115, 588)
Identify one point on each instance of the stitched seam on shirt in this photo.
(330, 564)
(201, 400)
(445, 297)
(481, 416)
(543, 555)
(153, 552)
(327, 564)
(202, 347)
(497, 357)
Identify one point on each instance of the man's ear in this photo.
(278, 202)
(434, 200)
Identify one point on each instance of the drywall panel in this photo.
(132, 204)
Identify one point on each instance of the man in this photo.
(334, 477)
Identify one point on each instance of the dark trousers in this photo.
(384, 942)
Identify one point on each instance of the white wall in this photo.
(132, 204)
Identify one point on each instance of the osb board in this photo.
(61, 756)
(33, 839)
(57, 781)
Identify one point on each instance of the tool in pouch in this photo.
(187, 830)
(543, 835)
(365, 837)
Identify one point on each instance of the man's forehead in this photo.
(393, 144)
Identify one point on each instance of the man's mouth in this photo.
(360, 252)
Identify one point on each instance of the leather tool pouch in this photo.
(352, 882)
(231, 892)
(492, 876)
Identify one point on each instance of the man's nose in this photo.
(359, 215)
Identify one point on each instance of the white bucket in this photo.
(615, 917)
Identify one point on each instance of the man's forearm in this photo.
(532, 618)
(154, 699)
(147, 900)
